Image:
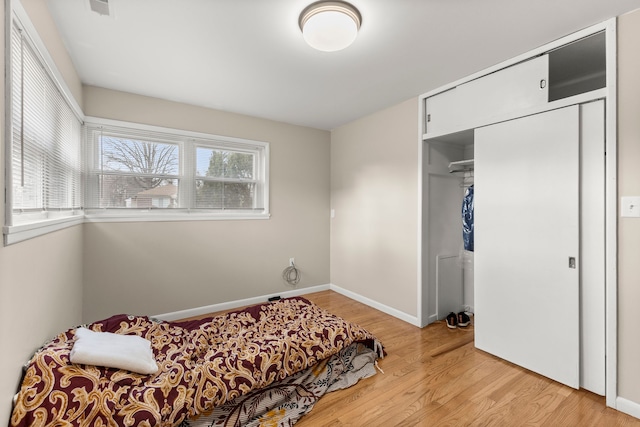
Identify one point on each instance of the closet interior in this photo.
(448, 173)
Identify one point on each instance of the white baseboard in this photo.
(183, 314)
(378, 306)
(628, 407)
(199, 311)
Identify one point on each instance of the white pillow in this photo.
(129, 352)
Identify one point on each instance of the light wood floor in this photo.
(435, 377)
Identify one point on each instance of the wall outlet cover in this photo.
(630, 207)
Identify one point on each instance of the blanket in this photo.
(283, 403)
(202, 364)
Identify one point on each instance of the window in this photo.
(155, 172)
(135, 172)
(44, 173)
(225, 179)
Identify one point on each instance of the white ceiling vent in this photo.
(100, 6)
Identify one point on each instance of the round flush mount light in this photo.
(330, 25)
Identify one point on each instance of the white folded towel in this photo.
(129, 352)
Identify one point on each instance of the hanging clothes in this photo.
(467, 219)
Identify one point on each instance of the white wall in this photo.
(40, 279)
(160, 267)
(374, 191)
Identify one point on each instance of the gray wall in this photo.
(161, 267)
(374, 191)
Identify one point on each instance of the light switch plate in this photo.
(630, 207)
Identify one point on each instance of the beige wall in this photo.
(40, 279)
(374, 191)
(159, 267)
(628, 185)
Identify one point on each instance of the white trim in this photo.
(199, 311)
(626, 406)
(91, 120)
(18, 233)
(183, 314)
(421, 167)
(378, 306)
(611, 218)
(148, 215)
(8, 114)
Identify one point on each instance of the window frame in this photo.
(45, 221)
(188, 142)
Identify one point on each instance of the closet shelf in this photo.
(461, 166)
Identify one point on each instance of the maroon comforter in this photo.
(201, 363)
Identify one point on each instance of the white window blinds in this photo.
(46, 141)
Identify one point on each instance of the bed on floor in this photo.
(263, 365)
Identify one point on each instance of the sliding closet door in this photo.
(527, 242)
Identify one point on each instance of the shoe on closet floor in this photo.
(463, 319)
(452, 320)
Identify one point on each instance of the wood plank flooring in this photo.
(435, 377)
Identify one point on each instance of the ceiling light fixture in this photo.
(330, 25)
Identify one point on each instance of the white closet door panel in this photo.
(501, 93)
(444, 112)
(526, 229)
(489, 99)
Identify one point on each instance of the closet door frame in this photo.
(609, 94)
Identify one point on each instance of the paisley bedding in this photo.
(202, 364)
(284, 402)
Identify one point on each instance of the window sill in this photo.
(182, 215)
(18, 233)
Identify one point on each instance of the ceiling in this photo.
(248, 56)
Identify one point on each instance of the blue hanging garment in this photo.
(467, 219)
